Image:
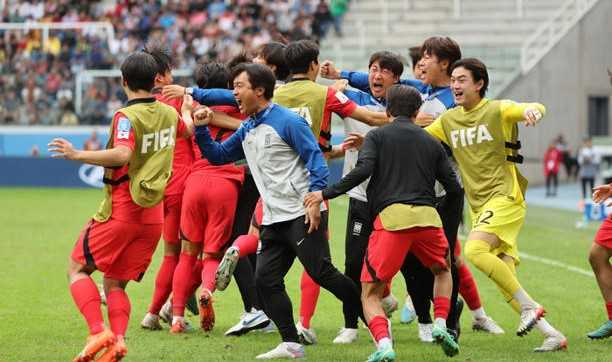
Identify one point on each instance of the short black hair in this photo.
(415, 55)
(274, 54)
(299, 54)
(241, 57)
(388, 60)
(478, 70)
(138, 70)
(162, 55)
(259, 76)
(444, 48)
(212, 75)
(403, 100)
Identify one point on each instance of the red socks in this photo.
(209, 269)
(310, 296)
(441, 307)
(609, 308)
(247, 244)
(87, 298)
(468, 288)
(163, 283)
(181, 283)
(379, 327)
(118, 311)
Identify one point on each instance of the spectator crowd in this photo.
(37, 76)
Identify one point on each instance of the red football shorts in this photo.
(172, 218)
(121, 250)
(604, 234)
(388, 249)
(209, 205)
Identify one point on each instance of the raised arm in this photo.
(530, 113)
(218, 153)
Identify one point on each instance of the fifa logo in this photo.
(158, 140)
(469, 136)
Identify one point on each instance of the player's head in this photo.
(302, 57)
(138, 72)
(253, 86)
(212, 75)
(415, 57)
(272, 54)
(469, 81)
(385, 69)
(163, 58)
(403, 101)
(439, 53)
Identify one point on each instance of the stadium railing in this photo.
(90, 26)
(552, 31)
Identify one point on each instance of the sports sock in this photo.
(209, 269)
(379, 328)
(196, 278)
(441, 307)
(310, 296)
(478, 313)
(543, 326)
(87, 298)
(609, 309)
(182, 282)
(118, 311)
(468, 288)
(163, 283)
(479, 253)
(246, 244)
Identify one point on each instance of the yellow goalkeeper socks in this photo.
(478, 252)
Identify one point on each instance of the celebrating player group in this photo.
(232, 174)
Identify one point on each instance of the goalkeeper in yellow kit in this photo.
(482, 134)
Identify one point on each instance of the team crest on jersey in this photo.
(357, 226)
(123, 128)
(268, 140)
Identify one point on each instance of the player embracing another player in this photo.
(122, 236)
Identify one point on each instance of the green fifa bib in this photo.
(485, 152)
(305, 98)
(150, 167)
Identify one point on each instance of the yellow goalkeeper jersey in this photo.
(484, 143)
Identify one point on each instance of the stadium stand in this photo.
(38, 69)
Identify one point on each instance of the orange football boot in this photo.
(207, 313)
(114, 353)
(95, 343)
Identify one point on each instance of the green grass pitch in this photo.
(38, 321)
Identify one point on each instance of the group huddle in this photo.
(233, 173)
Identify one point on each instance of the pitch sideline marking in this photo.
(551, 262)
(557, 264)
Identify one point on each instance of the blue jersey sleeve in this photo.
(357, 80)
(217, 153)
(214, 97)
(299, 136)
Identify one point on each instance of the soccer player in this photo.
(403, 163)
(599, 257)
(121, 238)
(286, 162)
(210, 199)
(433, 70)
(385, 69)
(483, 134)
(181, 166)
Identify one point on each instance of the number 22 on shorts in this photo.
(484, 217)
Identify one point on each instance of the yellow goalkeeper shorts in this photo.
(503, 217)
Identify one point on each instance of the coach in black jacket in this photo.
(403, 162)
